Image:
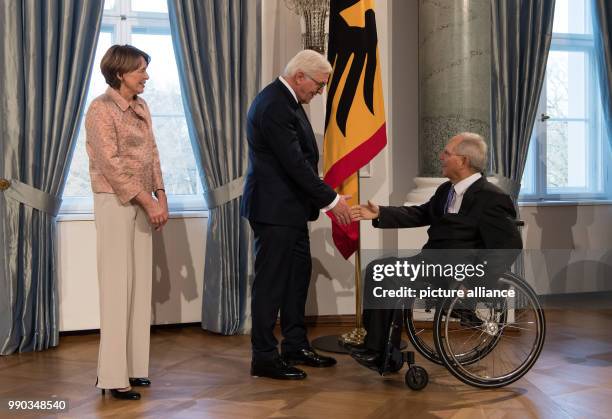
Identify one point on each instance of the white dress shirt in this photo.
(460, 188)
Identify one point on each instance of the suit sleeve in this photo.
(403, 217)
(102, 137)
(278, 128)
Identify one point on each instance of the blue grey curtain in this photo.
(218, 48)
(520, 41)
(602, 25)
(46, 53)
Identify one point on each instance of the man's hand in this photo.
(365, 212)
(342, 211)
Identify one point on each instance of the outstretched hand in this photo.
(370, 211)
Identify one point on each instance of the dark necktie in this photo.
(449, 199)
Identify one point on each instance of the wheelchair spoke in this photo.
(515, 327)
(472, 335)
(465, 328)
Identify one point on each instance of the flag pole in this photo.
(357, 335)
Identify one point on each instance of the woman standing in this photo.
(125, 174)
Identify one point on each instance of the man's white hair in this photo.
(474, 147)
(309, 62)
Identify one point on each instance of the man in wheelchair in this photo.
(466, 216)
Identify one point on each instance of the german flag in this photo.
(355, 128)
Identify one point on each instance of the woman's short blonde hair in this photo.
(121, 59)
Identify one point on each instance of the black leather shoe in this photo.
(277, 369)
(308, 357)
(124, 395)
(140, 382)
(367, 358)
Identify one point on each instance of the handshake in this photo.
(346, 214)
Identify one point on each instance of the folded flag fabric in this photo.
(355, 128)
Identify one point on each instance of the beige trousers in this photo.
(124, 242)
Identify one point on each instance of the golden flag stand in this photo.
(356, 336)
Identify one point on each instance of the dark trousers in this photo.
(377, 322)
(282, 274)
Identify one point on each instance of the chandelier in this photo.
(313, 14)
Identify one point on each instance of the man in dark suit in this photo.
(466, 213)
(282, 193)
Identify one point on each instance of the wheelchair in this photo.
(486, 342)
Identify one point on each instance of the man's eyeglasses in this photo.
(320, 84)
(447, 153)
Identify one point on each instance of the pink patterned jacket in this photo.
(123, 156)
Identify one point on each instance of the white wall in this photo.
(578, 248)
(178, 255)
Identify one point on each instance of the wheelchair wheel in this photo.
(511, 329)
(419, 321)
(416, 378)
(420, 316)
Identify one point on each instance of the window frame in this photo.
(599, 174)
(120, 21)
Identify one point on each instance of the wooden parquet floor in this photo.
(197, 374)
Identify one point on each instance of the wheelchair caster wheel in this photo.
(416, 378)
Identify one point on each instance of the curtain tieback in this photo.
(511, 187)
(224, 193)
(30, 196)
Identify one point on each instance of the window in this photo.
(144, 24)
(566, 159)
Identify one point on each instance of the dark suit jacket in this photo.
(486, 220)
(282, 185)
